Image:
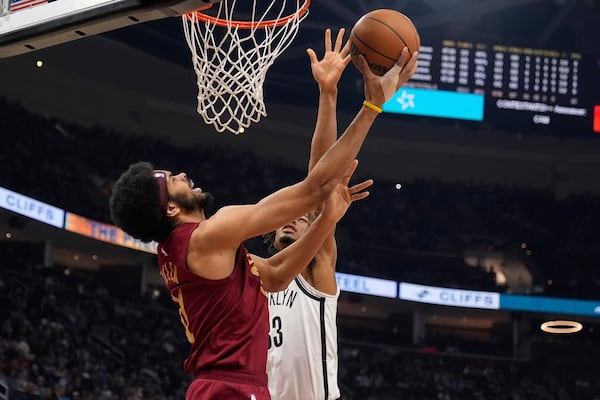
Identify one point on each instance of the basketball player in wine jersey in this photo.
(218, 287)
(303, 359)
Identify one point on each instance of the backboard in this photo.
(28, 25)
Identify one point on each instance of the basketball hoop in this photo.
(232, 50)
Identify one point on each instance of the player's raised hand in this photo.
(337, 204)
(328, 71)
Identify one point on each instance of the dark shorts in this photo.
(219, 385)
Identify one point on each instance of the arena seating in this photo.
(69, 337)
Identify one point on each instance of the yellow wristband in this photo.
(372, 107)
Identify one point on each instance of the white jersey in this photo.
(303, 359)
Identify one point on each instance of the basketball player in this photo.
(217, 285)
(303, 360)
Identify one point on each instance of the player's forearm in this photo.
(325, 133)
(291, 261)
(330, 169)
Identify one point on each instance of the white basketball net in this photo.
(231, 62)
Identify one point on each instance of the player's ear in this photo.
(173, 209)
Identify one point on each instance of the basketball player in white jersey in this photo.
(303, 360)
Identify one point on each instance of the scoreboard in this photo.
(506, 86)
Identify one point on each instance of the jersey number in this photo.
(183, 316)
(276, 339)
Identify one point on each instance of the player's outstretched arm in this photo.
(327, 73)
(279, 270)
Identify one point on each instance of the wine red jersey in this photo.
(225, 320)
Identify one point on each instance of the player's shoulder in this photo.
(321, 277)
(208, 226)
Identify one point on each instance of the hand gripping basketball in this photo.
(379, 89)
(404, 69)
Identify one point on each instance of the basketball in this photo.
(380, 36)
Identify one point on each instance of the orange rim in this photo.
(248, 24)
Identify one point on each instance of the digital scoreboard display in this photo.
(508, 86)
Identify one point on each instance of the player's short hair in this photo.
(135, 204)
(269, 241)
